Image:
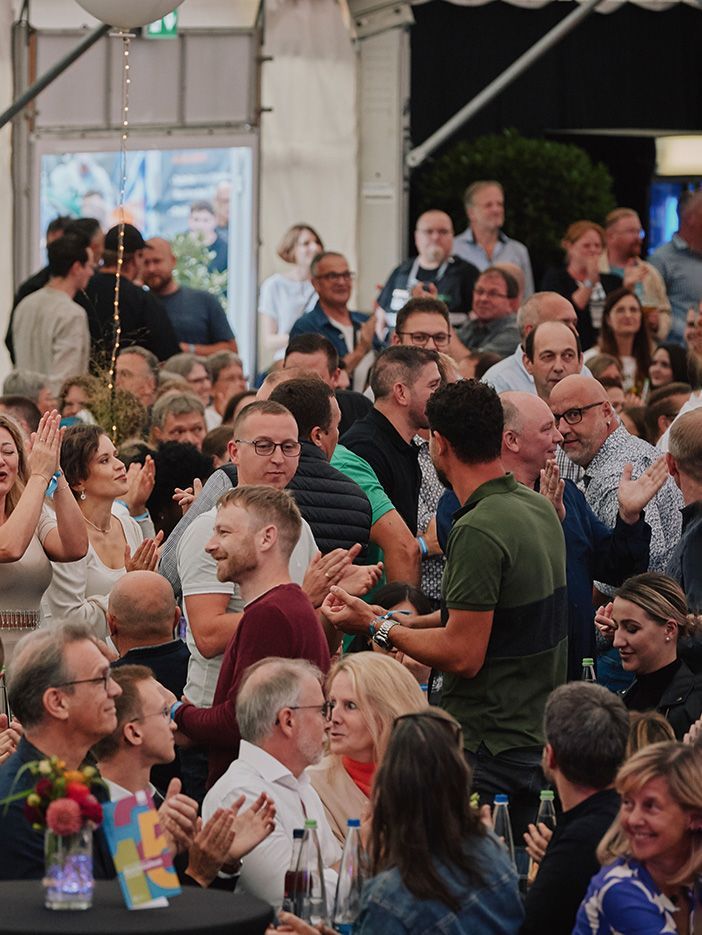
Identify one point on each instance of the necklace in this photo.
(99, 528)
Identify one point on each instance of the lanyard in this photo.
(412, 279)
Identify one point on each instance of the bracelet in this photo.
(142, 516)
(174, 708)
(372, 628)
(423, 546)
(53, 483)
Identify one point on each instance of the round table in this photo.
(214, 912)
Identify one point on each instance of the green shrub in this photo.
(547, 186)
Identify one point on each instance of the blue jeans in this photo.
(517, 773)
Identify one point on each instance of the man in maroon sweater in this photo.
(255, 532)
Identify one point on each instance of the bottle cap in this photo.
(546, 795)
(588, 662)
(354, 823)
(310, 823)
(298, 832)
(501, 799)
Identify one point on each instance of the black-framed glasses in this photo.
(324, 709)
(421, 338)
(165, 713)
(265, 447)
(575, 415)
(346, 276)
(490, 293)
(105, 679)
(449, 723)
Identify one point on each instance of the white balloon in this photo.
(128, 14)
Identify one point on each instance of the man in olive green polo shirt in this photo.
(503, 643)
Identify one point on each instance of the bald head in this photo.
(142, 610)
(158, 265)
(545, 306)
(433, 237)
(584, 415)
(530, 435)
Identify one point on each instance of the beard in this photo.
(239, 564)
(156, 282)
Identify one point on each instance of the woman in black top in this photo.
(647, 619)
(580, 280)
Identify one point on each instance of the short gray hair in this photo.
(27, 383)
(266, 687)
(217, 362)
(587, 727)
(151, 359)
(182, 364)
(39, 663)
(175, 403)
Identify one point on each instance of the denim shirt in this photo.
(490, 908)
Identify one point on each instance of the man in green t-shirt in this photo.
(502, 644)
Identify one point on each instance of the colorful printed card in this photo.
(140, 852)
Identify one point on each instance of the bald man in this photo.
(529, 443)
(594, 439)
(434, 272)
(197, 317)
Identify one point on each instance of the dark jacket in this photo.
(336, 508)
(681, 701)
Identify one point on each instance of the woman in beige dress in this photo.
(367, 691)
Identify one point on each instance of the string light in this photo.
(126, 38)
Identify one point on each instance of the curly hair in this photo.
(468, 414)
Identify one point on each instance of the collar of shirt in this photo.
(692, 513)
(391, 433)
(505, 484)
(469, 237)
(269, 768)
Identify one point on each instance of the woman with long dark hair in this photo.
(624, 335)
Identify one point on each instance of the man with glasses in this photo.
(594, 439)
(61, 690)
(283, 719)
(492, 325)
(434, 273)
(255, 532)
(352, 333)
(622, 257)
(423, 322)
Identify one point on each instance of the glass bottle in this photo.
(588, 671)
(547, 816)
(502, 824)
(311, 901)
(291, 885)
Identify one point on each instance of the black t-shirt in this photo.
(144, 320)
(353, 406)
(558, 279)
(568, 866)
(454, 287)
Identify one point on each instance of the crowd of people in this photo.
(376, 580)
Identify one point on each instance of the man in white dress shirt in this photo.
(282, 717)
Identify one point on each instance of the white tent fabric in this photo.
(607, 6)
(309, 142)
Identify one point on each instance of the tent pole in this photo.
(415, 157)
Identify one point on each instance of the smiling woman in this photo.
(655, 845)
(79, 590)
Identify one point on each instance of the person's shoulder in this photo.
(460, 267)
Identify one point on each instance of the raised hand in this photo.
(178, 817)
(551, 486)
(635, 495)
(10, 734)
(348, 613)
(140, 480)
(359, 579)
(604, 622)
(252, 826)
(536, 839)
(46, 446)
(185, 497)
(146, 556)
(210, 847)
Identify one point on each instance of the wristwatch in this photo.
(588, 283)
(381, 638)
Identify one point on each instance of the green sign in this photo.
(164, 28)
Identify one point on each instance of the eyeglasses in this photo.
(165, 713)
(441, 231)
(324, 709)
(420, 338)
(574, 416)
(490, 293)
(265, 447)
(449, 723)
(105, 679)
(204, 379)
(346, 276)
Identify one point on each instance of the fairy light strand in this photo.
(124, 136)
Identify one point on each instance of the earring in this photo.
(82, 495)
(667, 639)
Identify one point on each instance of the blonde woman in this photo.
(367, 692)
(653, 851)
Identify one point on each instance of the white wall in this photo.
(6, 18)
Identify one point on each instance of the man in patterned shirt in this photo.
(594, 438)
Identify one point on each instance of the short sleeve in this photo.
(473, 574)
(47, 522)
(630, 909)
(267, 304)
(197, 569)
(218, 323)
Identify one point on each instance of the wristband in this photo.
(174, 708)
(372, 628)
(423, 546)
(53, 484)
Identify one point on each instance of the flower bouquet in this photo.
(62, 805)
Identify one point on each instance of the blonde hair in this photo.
(681, 768)
(13, 496)
(268, 505)
(661, 598)
(646, 728)
(384, 690)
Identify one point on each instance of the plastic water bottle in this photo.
(291, 885)
(588, 671)
(503, 825)
(311, 899)
(596, 305)
(547, 816)
(347, 904)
